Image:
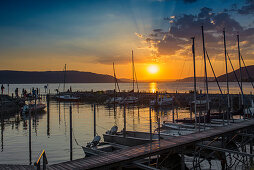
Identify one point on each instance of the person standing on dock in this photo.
(17, 92)
(2, 88)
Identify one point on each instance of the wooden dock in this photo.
(128, 155)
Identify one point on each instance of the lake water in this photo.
(51, 131)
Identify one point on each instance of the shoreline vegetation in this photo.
(45, 77)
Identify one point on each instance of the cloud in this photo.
(175, 41)
(248, 8)
(138, 35)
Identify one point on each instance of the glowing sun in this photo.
(153, 69)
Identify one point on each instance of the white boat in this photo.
(116, 100)
(130, 100)
(199, 103)
(163, 100)
(96, 147)
(67, 98)
(128, 138)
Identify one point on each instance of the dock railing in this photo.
(45, 161)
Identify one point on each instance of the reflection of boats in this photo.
(116, 100)
(31, 107)
(67, 98)
(163, 100)
(96, 147)
(130, 138)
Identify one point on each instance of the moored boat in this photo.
(67, 98)
(33, 108)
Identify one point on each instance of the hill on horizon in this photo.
(32, 77)
(245, 77)
(222, 78)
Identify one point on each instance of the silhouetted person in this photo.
(17, 92)
(2, 88)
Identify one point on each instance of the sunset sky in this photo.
(90, 35)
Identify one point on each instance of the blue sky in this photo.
(90, 35)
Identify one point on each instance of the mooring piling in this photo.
(70, 133)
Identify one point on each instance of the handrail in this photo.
(45, 161)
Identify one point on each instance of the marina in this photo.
(123, 85)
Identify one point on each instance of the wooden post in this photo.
(48, 125)
(182, 161)
(159, 128)
(150, 119)
(30, 145)
(94, 120)
(251, 151)
(70, 133)
(173, 115)
(124, 121)
(8, 89)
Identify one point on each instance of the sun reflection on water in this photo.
(153, 87)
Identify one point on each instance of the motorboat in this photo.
(162, 101)
(33, 108)
(130, 100)
(96, 147)
(128, 138)
(114, 100)
(67, 98)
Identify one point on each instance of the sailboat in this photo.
(163, 101)
(115, 99)
(131, 99)
(66, 97)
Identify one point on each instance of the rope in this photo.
(75, 138)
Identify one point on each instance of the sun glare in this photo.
(153, 69)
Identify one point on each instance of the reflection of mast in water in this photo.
(59, 114)
(64, 121)
(48, 117)
(138, 116)
(2, 132)
(115, 117)
(133, 120)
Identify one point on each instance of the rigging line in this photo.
(235, 74)
(213, 72)
(180, 75)
(115, 77)
(75, 138)
(247, 72)
(237, 80)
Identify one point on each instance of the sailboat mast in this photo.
(226, 62)
(240, 69)
(133, 74)
(114, 74)
(64, 77)
(206, 81)
(195, 89)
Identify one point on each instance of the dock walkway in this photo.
(128, 155)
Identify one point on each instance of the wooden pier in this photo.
(129, 155)
(132, 154)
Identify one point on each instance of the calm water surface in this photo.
(51, 131)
